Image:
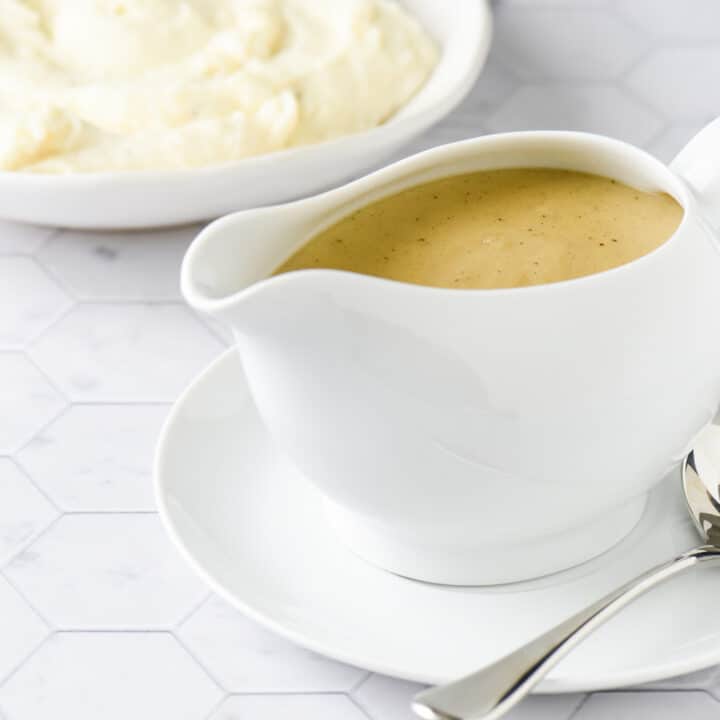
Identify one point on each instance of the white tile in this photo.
(714, 687)
(126, 352)
(127, 265)
(24, 512)
(669, 143)
(563, 42)
(495, 84)
(97, 457)
(16, 239)
(680, 82)
(218, 329)
(29, 300)
(601, 109)
(385, 698)
(244, 657)
(653, 706)
(441, 136)
(113, 676)
(288, 707)
(106, 571)
(21, 629)
(551, 3)
(546, 707)
(31, 399)
(672, 20)
(708, 679)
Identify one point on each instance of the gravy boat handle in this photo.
(698, 163)
(491, 692)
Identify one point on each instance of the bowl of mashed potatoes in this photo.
(137, 113)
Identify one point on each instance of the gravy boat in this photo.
(478, 436)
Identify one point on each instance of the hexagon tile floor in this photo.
(99, 617)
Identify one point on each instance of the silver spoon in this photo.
(489, 693)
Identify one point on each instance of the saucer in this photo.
(254, 529)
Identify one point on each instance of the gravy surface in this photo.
(496, 229)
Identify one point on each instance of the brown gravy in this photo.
(496, 229)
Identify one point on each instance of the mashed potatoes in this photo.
(107, 85)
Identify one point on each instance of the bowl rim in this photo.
(477, 19)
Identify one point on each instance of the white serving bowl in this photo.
(116, 200)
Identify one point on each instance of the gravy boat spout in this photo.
(473, 436)
(224, 269)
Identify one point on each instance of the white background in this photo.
(99, 617)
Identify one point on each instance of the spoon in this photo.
(489, 693)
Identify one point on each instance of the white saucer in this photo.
(253, 528)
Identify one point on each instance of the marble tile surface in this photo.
(21, 628)
(24, 511)
(244, 657)
(387, 698)
(30, 301)
(29, 400)
(106, 570)
(274, 707)
(119, 265)
(114, 676)
(18, 239)
(97, 457)
(99, 615)
(121, 353)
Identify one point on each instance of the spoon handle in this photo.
(489, 693)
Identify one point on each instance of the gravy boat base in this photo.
(255, 531)
(489, 564)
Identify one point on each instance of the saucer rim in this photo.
(552, 684)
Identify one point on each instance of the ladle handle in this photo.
(489, 693)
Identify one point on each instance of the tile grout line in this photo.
(76, 513)
(50, 625)
(24, 661)
(651, 141)
(365, 711)
(197, 661)
(629, 92)
(59, 317)
(196, 608)
(123, 403)
(652, 691)
(227, 342)
(287, 693)
(110, 630)
(217, 705)
(133, 300)
(53, 274)
(36, 433)
(23, 471)
(116, 301)
(628, 24)
(53, 233)
(27, 354)
(579, 706)
(360, 682)
(13, 558)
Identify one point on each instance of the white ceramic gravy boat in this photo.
(478, 436)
